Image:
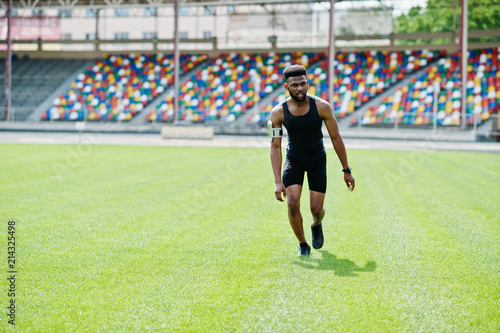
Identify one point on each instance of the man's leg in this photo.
(293, 178)
(317, 210)
(293, 193)
(316, 176)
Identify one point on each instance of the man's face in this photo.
(297, 86)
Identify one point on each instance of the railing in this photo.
(104, 44)
(399, 124)
(286, 41)
(495, 127)
(16, 113)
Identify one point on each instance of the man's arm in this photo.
(326, 113)
(276, 158)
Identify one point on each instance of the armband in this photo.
(273, 132)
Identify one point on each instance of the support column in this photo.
(8, 61)
(96, 41)
(176, 60)
(465, 60)
(331, 55)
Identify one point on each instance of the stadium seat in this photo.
(412, 105)
(118, 87)
(359, 76)
(226, 87)
(33, 81)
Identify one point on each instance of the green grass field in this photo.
(134, 239)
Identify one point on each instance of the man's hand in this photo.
(279, 189)
(349, 181)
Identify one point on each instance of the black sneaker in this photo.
(317, 236)
(304, 249)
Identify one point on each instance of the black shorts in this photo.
(293, 173)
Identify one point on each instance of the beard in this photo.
(297, 99)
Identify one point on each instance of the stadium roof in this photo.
(67, 4)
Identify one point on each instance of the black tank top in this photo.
(305, 138)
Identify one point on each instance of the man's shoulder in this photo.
(324, 108)
(277, 110)
(320, 102)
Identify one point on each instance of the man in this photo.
(303, 116)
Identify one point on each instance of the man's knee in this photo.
(316, 209)
(293, 205)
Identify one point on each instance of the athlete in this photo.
(303, 116)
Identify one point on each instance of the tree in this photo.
(444, 16)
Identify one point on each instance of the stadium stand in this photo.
(225, 87)
(117, 87)
(359, 76)
(412, 105)
(33, 80)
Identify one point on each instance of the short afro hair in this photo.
(294, 70)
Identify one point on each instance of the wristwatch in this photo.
(348, 170)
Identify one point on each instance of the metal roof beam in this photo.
(30, 4)
(68, 4)
(113, 2)
(155, 3)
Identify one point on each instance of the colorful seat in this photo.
(118, 87)
(412, 105)
(227, 86)
(359, 76)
